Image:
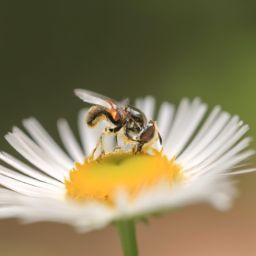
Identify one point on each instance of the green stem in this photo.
(127, 233)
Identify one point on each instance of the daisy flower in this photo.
(66, 184)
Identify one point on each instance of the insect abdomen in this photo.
(95, 115)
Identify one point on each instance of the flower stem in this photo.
(127, 233)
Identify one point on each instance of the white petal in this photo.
(165, 117)
(24, 168)
(206, 139)
(45, 141)
(20, 177)
(146, 105)
(70, 141)
(84, 217)
(218, 148)
(27, 189)
(228, 163)
(34, 154)
(186, 128)
(243, 171)
(139, 103)
(11, 211)
(202, 132)
(180, 116)
(226, 160)
(214, 190)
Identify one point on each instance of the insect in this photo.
(133, 121)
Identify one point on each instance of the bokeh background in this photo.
(169, 49)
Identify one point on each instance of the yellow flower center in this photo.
(99, 179)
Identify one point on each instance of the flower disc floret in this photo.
(99, 179)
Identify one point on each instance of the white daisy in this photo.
(200, 152)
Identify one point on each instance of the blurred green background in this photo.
(169, 49)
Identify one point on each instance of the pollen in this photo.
(99, 179)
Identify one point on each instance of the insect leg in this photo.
(160, 139)
(115, 130)
(100, 144)
(139, 147)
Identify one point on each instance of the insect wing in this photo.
(95, 98)
(124, 103)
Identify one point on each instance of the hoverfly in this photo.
(133, 121)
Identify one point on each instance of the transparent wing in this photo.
(94, 98)
(124, 102)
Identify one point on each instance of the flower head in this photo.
(198, 155)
